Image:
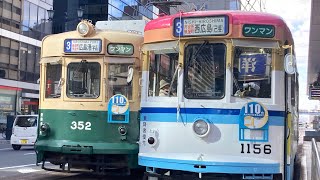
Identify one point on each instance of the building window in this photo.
(16, 10)
(34, 23)
(23, 56)
(26, 16)
(31, 58)
(7, 5)
(37, 69)
(33, 15)
(49, 2)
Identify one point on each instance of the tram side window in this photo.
(83, 80)
(161, 74)
(204, 70)
(117, 80)
(53, 76)
(252, 72)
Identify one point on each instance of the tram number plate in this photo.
(23, 141)
(80, 125)
(255, 148)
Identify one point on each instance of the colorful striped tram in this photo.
(89, 100)
(230, 106)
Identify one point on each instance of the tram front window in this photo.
(252, 72)
(205, 71)
(53, 83)
(83, 80)
(162, 76)
(117, 80)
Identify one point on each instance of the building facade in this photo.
(23, 23)
(314, 44)
(66, 13)
(207, 5)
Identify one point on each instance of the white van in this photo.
(24, 131)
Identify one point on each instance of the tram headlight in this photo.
(201, 127)
(83, 28)
(44, 129)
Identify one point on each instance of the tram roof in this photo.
(235, 18)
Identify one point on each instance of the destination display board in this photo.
(120, 49)
(201, 26)
(258, 30)
(82, 45)
(314, 92)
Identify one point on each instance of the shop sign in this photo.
(7, 103)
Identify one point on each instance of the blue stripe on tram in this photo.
(202, 111)
(211, 167)
(213, 116)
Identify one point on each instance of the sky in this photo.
(296, 13)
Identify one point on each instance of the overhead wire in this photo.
(123, 12)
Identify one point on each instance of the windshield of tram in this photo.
(162, 79)
(53, 77)
(83, 80)
(205, 71)
(117, 80)
(251, 72)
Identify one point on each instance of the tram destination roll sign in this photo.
(201, 26)
(82, 45)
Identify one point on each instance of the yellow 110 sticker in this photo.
(119, 104)
(254, 115)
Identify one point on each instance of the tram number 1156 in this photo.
(255, 148)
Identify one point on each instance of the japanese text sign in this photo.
(257, 30)
(204, 26)
(120, 49)
(252, 64)
(82, 45)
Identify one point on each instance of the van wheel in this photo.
(16, 147)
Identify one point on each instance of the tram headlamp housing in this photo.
(201, 128)
(85, 28)
(44, 129)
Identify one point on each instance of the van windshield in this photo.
(26, 121)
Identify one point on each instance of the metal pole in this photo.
(315, 161)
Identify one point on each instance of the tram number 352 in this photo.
(256, 148)
(80, 125)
